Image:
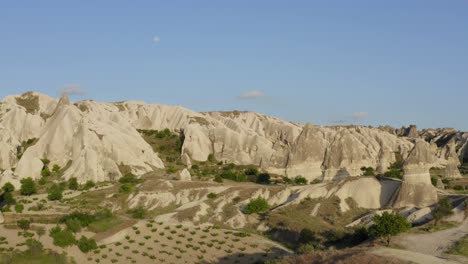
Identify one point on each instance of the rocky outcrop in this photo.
(184, 175)
(451, 169)
(93, 139)
(416, 189)
(410, 132)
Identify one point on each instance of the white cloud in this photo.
(251, 95)
(359, 115)
(72, 89)
(156, 39)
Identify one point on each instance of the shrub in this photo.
(388, 225)
(24, 224)
(300, 180)
(28, 186)
(86, 244)
(257, 205)
(395, 170)
(129, 178)
(73, 225)
(195, 167)
(19, 208)
(45, 172)
(42, 181)
(8, 198)
(315, 181)
(55, 193)
(88, 185)
(262, 178)
(434, 181)
(212, 195)
(55, 168)
(8, 187)
(251, 171)
(62, 238)
(368, 171)
(137, 213)
(211, 158)
(40, 231)
(458, 188)
(45, 161)
(218, 178)
(443, 209)
(126, 188)
(73, 183)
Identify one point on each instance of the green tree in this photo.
(73, 183)
(137, 213)
(28, 186)
(257, 205)
(263, 178)
(8, 187)
(395, 170)
(88, 185)
(62, 238)
(86, 244)
(55, 193)
(443, 209)
(126, 188)
(387, 225)
(251, 171)
(8, 198)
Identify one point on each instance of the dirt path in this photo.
(413, 257)
(435, 244)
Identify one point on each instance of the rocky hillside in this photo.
(93, 141)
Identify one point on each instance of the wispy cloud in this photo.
(156, 39)
(251, 95)
(359, 115)
(72, 89)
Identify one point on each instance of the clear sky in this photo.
(327, 62)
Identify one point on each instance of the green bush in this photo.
(212, 195)
(45, 172)
(211, 158)
(443, 209)
(316, 181)
(55, 168)
(73, 224)
(28, 186)
(129, 178)
(458, 188)
(8, 198)
(218, 178)
(251, 171)
(86, 244)
(388, 225)
(395, 170)
(257, 205)
(19, 208)
(126, 188)
(8, 187)
(299, 180)
(368, 171)
(62, 238)
(73, 183)
(55, 193)
(434, 181)
(195, 167)
(23, 224)
(88, 185)
(137, 213)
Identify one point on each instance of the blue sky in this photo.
(327, 62)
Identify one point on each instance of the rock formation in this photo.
(91, 140)
(416, 189)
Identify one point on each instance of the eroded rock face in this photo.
(98, 137)
(416, 189)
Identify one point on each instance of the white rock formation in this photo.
(184, 175)
(416, 189)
